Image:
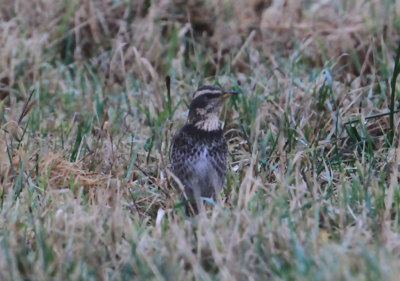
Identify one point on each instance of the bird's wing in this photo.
(218, 159)
(179, 153)
(180, 161)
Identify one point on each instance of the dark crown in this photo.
(206, 106)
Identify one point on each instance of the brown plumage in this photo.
(198, 154)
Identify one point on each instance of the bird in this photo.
(198, 152)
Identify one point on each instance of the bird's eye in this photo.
(209, 96)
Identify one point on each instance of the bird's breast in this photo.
(202, 161)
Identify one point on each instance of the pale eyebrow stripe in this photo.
(199, 93)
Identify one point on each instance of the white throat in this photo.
(210, 124)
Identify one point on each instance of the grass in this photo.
(312, 190)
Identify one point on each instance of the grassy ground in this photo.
(312, 188)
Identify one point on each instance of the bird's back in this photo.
(199, 159)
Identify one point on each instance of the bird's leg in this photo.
(191, 204)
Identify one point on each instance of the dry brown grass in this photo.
(84, 190)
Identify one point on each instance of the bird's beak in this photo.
(228, 93)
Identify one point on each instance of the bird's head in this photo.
(206, 106)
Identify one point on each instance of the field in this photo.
(312, 190)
